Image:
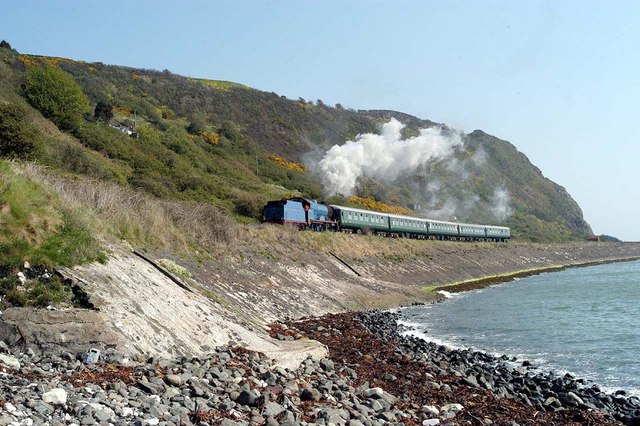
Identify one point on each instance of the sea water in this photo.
(585, 321)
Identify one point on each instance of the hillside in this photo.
(237, 147)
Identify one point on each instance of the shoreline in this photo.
(373, 377)
(487, 281)
(534, 396)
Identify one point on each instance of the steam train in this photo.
(310, 214)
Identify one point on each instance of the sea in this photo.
(584, 321)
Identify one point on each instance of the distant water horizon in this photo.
(585, 321)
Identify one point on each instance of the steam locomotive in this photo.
(310, 214)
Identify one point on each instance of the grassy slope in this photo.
(35, 225)
(169, 162)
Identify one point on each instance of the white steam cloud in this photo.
(383, 156)
(500, 204)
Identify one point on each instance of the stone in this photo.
(174, 380)
(91, 356)
(310, 395)
(431, 410)
(389, 399)
(373, 393)
(453, 408)
(430, 422)
(9, 361)
(575, 397)
(87, 420)
(101, 415)
(8, 420)
(471, 380)
(55, 396)
(375, 405)
(272, 409)
(246, 397)
(335, 416)
(327, 364)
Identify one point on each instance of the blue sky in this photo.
(560, 80)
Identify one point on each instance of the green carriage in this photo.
(357, 219)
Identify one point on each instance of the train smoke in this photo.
(383, 156)
(501, 208)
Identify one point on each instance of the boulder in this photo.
(9, 361)
(55, 396)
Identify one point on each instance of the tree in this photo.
(197, 125)
(16, 138)
(103, 111)
(230, 130)
(56, 95)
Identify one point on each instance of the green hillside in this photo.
(236, 147)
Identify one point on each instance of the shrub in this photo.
(16, 137)
(197, 125)
(103, 111)
(56, 95)
(247, 204)
(230, 130)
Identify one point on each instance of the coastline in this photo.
(373, 375)
(491, 389)
(486, 281)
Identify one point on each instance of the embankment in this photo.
(271, 276)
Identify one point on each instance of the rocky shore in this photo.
(373, 376)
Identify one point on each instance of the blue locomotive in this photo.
(304, 213)
(309, 214)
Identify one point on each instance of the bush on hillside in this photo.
(247, 204)
(16, 137)
(197, 125)
(230, 130)
(103, 112)
(56, 95)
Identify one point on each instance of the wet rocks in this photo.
(459, 385)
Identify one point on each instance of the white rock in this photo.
(21, 278)
(55, 396)
(100, 407)
(27, 265)
(454, 408)
(431, 410)
(9, 361)
(126, 412)
(430, 422)
(9, 407)
(152, 422)
(575, 397)
(374, 393)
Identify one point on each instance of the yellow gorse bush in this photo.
(291, 165)
(371, 204)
